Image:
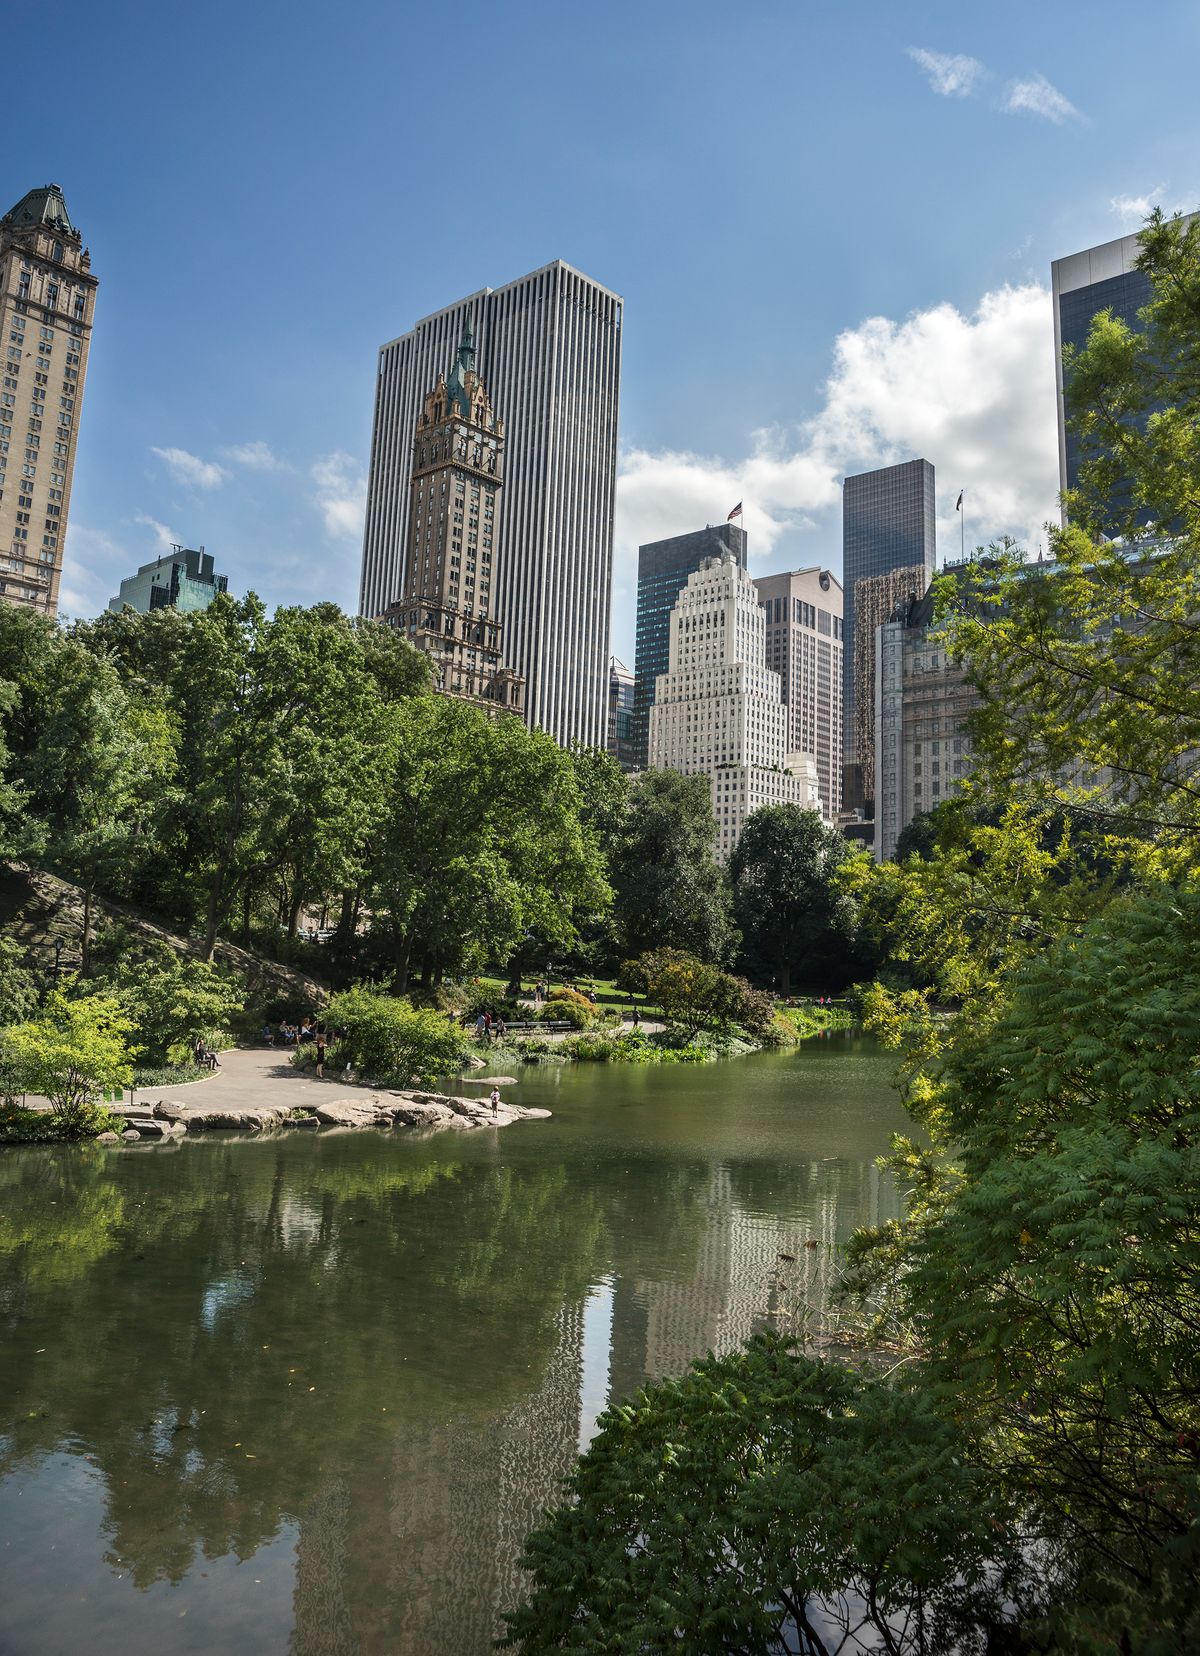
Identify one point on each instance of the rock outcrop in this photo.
(438, 1111)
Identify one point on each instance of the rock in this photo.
(108, 1138)
(301, 1121)
(155, 1127)
(131, 1135)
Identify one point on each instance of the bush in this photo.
(167, 1075)
(698, 996)
(172, 1002)
(76, 1055)
(579, 1016)
(389, 1041)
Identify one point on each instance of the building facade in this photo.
(718, 709)
(875, 601)
(548, 347)
(803, 615)
(452, 559)
(888, 522)
(182, 579)
(922, 702)
(663, 570)
(1082, 284)
(47, 299)
(620, 714)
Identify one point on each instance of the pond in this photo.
(305, 1394)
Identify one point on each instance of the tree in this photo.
(170, 1002)
(76, 1055)
(669, 890)
(766, 1503)
(695, 995)
(795, 914)
(389, 1041)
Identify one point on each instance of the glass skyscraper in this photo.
(663, 570)
(1099, 278)
(888, 522)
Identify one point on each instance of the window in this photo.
(58, 252)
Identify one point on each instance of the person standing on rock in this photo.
(495, 1099)
(322, 1041)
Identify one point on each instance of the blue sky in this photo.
(832, 227)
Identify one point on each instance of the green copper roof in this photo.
(44, 206)
(456, 384)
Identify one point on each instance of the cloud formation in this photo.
(971, 392)
(189, 468)
(256, 456)
(164, 538)
(341, 494)
(1036, 96)
(950, 74)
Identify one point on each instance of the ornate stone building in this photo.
(47, 295)
(448, 607)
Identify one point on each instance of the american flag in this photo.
(737, 512)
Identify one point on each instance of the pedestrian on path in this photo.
(322, 1041)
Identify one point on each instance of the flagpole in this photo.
(962, 528)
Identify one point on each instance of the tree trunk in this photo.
(403, 955)
(345, 930)
(294, 907)
(246, 917)
(210, 917)
(513, 988)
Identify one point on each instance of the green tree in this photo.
(695, 995)
(669, 890)
(766, 1503)
(389, 1041)
(795, 913)
(76, 1054)
(170, 1002)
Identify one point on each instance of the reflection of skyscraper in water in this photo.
(321, 1616)
(466, 1494)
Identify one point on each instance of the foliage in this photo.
(18, 985)
(389, 1041)
(76, 1054)
(797, 917)
(698, 996)
(669, 891)
(765, 1502)
(171, 1002)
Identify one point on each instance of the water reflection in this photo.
(376, 1357)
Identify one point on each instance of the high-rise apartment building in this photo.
(1082, 284)
(663, 570)
(922, 702)
(875, 601)
(182, 579)
(620, 714)
(803, 615)
(888, 522)
(447, 608)
(718, 709)
(548, 347)
(47, 296)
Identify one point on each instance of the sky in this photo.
(832, 228)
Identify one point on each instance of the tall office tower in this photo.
(663, 570)
(47, 296)
(875, 599)
(548, 348)
(888, 522)
(718, 710)
(620, 713)
(1082, 284)
(922, 702)
(447, 608)
(181, 579)
(803, 613)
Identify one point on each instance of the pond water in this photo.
(305, 1394)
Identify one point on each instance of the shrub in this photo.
(389, 1041)
(579, 1016)
(76, 1055)
(698, 996)
(571, 997)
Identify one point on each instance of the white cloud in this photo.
(973, 393)
(1134, 210)
(189, 468)
(164, 538)
(257, 456)
(951, 74)
(341, 494)
(1036, 96)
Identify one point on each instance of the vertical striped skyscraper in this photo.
(549, 350)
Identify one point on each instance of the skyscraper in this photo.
(1082, 284)
(47, 295)
(888, 522)
(548, 347)
(620, 713)
(447, 607)
(718, 711)
(803, 614)
(663, 570)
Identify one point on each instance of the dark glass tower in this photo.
(663, 570)
(888, 523)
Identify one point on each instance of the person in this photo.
(591, 995)
(499, 1028)
(322, 1041)
(198, 1052)
(495, 1099)
(481, 1027)
(637, 1017)
(306, 1030)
